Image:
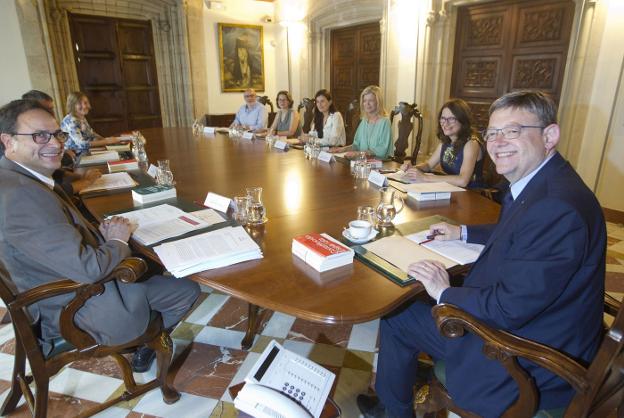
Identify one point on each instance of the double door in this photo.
(117, 71)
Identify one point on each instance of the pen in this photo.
(431, 237)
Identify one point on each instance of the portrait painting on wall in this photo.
(241, 56)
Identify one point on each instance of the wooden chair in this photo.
(409, 115)
(76, 344)
(265, 101)
(352, 120)
(599, 387)
(308, 113)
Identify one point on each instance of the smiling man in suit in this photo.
(540, 275)
(44, 238)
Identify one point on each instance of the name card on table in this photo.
(248, 135)
(209, 129)
(325, 156)
(377, 178)
(280, 145)
(152, 171)
(217, 202)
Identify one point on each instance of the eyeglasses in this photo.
(45, 137)
(249, 95)
(509, 132)
(450, 120)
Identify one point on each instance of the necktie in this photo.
(506, 205)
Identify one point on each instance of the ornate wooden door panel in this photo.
(510, 45)
(116, 70)
(355, 55)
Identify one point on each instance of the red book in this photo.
(321, 251)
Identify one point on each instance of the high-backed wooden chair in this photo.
(352, 120)
(599, 387)
(409, 116)
(307, 105)
(76, 344)
(265, 101)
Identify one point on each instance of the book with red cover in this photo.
(321, 251)
(123, 165)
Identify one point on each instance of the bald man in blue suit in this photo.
(540, 275)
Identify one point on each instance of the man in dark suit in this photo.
(540, 275)
(44, 238)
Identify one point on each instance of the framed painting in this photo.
(241, 56)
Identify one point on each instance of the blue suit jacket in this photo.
(540, 276)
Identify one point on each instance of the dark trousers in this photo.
(402, 336)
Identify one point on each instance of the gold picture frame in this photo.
(241, 56)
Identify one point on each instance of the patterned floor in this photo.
(209, 358)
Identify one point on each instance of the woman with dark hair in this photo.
(286, 120)
(327, 124)
(460, 152)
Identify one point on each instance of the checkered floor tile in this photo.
(209, 358)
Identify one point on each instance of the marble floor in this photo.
(209, 358)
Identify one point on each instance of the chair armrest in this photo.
(128, 271)
(453, 322)
(611, 305)
(45, 291)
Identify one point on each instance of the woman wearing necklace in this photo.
(81, 135)
(459, 153)
(286, 120)
(373, 134)
(327, 124)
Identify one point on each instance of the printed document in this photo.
(161, 222)
(401, 252)
(98, 158)
(210, 250)
(112, 181)
(457, 250)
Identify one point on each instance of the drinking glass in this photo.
(198, 127)
(362, 170)
(164, 176)
(256, 213)
(366, 213)
(315, 148)
(242, 207)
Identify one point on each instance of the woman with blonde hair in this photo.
(374, 134)
(81, 135)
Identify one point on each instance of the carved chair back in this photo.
(265, 101)
(409, 116)
(307, 105)
(352, 120)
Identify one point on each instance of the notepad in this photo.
(460, 252)
(98, 158)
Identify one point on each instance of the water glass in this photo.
(315, 148)
(138, 149)
(198, 127)
(362, 170)
(164, 175)
(359, 159)
(256, 213)
(242, 207)
(366, 213)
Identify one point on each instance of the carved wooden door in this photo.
(510, 45)
(117, 71)
(355, 55)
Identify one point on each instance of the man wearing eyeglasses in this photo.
(44, 238)
(540, 276)
(252, 115)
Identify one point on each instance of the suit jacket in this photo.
(44, 238)
(540, 276)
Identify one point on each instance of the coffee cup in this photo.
(360, 229)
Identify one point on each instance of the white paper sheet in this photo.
(457, 250)
(402, 252)
(111, 181)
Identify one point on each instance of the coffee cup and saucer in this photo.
(359, 232)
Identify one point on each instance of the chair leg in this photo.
(164, 353)
(41, 398)
(19, 369)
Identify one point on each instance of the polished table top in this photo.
(300, 196)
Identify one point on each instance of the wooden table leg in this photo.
(252, 324)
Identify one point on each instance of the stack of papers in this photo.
(113, 181)
(98, 158)
(428, 191)
(220, 248)
(164, 221)
(118, 147)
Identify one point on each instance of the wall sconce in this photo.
(214, 5)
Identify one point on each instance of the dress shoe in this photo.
(143, 359)
(371, 407)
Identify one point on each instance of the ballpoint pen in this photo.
(431, 237)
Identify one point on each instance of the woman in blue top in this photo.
(81, 135)
(460, 152)
(373, 135)
(286, 120)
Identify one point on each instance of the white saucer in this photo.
(345, 233)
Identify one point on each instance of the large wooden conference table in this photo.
(300, 196)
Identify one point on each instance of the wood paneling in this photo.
(117, 70)
(510, 45)
(355, 55)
